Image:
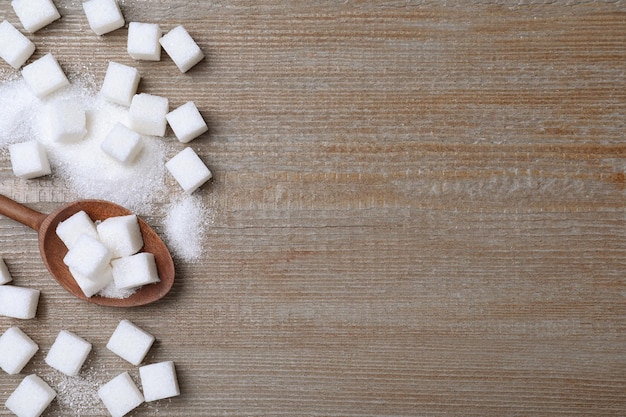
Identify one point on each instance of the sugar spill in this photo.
(89, 173)
(186, 220)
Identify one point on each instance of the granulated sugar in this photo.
(185, 223)
(78, 395)
(89, 173)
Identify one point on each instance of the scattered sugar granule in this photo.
(78, 395)
(185, 224)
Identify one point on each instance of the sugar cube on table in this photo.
(44, 76)
(67, 121)
(130, 342)
(181, 47)
(143, 41)
(147, 114)
(29, 160)
(135, 270)
(35, 14)
(15, 48)
(77, 224)
(122, 144)
(189, 170)
(5, 274)
(68, 353)
(120, 83)
(16, 350)
(18, 302)
(104, 16)
(31, 397)
(88, 256)
(121, 234)
(186, 122)
(94, 284)
(159, 381)
(120, 395)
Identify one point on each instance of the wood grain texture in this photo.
(418, 209)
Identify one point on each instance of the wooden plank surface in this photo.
(417, 209)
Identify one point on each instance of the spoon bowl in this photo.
(53, 250)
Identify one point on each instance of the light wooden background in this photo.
(418, 209)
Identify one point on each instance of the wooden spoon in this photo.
(53, 250)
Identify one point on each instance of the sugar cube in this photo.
(68, 353)
(130, 342)
(17, 349)
(135, 270)
(94, 284)
(121, 234)
(18, 302)
(44, 76)
(88, 256)
(29, 160)
(181, 47)
(143, 41)
(15, 48)
(104, 16)
(120, 83)
(31, 397)
(5, 275)
(189, 170)
(147, 114)
(35, 14)
(159, 381)
(122, 144)
(186, 122)
(120, 395)
(77, 224)
(67, 121)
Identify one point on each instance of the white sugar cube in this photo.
(15, 48)
(88, 256)
(130, 342)
(147, 114)
(68, 353)
(35, 14)
(104, 16)
(77, 224)
(189, 170)
(18, 302)
(135, 270)
(31, 397)
(44, 76)
(67, 121)
(29, 160)
(94, 284)
(143, 41)
(16, 350)
(120, 83)
(121, 234)
(159, 381)
(5, 274)
(186, 122)
(120, 395)
(181, 47)
(122, 144)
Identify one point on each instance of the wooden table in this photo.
(418, 209)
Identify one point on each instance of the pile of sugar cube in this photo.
(148, 114)
(67, 355)
(105, 255)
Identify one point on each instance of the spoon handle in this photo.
(21, 213)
